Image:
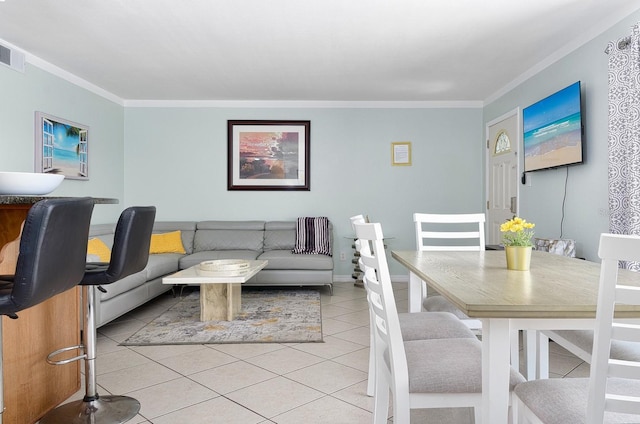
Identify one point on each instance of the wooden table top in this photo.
(480, 285)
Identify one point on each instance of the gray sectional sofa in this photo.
(209, 240)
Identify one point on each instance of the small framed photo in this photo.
(401, 153)
(61, 147)
(268, 155)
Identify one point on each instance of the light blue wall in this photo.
(21, 95)
(585, 212)
(176, 158)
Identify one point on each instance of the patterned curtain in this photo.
(624, 136)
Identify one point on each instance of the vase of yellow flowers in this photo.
(516, 237)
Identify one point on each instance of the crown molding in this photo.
(559, 54)
(65, 75)
(274, 104)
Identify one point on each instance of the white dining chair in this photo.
(436, 373)
(580, 343)
(611, 394)
(464, 232)
(413, 326)
(448, 232)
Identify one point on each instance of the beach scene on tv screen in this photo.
(553, 130)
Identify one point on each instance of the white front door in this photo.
(503, 140)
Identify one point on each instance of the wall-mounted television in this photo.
(553, 134)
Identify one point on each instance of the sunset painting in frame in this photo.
(268, 155)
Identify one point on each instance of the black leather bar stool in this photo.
(129, 254)
(51, 260)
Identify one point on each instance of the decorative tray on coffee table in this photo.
(226, 266)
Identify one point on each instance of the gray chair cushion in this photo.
(432, 325)
(438, 303)
(583, 339)
(447, 366)
(562, 401)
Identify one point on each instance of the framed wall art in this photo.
(401, 153)
(61, 147)
(268, 155)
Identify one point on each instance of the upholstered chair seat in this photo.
(563, 401)
(447, 366)
(432, 325)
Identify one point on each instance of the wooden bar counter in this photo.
(32, 387)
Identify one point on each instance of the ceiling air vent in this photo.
(12, 58)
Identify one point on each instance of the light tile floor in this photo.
(262, 383)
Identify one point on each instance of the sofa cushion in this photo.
(106, 239)
(279, 235)
(121, 286)
(170, 242)
(97, 247)
(229, 235)
(162, 264)
(187, 231)
(209, 255)
(231, 225)
(285, 259)
(101, 229)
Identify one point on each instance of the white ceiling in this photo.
(304, 50)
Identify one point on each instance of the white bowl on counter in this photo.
(28, 183)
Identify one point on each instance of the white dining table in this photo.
(556, 293)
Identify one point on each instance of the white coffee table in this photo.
(219, 290)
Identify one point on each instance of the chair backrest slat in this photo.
(625, 332)
(377, 280)
(613, 249)
(440, 232)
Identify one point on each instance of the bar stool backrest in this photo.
(53, 252)
(131, 243)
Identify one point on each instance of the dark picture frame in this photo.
(268, 155)
(61, 147)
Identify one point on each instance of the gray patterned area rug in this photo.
(267, 316)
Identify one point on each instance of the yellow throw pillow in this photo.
(98, 248)
(167, 243)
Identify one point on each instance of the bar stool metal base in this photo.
(104, 410)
